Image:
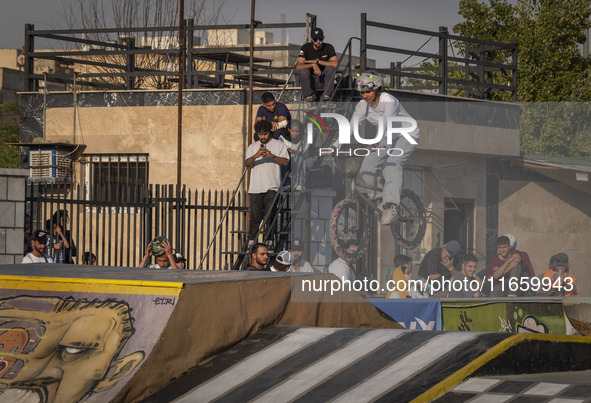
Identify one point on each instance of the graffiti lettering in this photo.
(422, 325)
(164, 301)
(464, 327)
(505, 325)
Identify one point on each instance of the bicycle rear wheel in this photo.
(349, 221)
(409, 229)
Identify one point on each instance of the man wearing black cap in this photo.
(300, 264)
(39, 244)
(563, 283)
(439, 262)
(317, 62)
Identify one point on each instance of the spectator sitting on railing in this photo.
(89, 259)
(317, 61)
(260, 258)
(276, 113)
(264, 157)
(159, 247)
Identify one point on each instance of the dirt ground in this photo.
(581, 327)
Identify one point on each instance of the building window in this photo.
(118, 178)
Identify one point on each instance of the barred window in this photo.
(119, 178)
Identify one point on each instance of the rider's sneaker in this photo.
(326, 98)
(310, 98)
(389, 213)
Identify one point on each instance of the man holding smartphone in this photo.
(264, 158)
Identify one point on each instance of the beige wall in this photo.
(455, 137)
(8, 58)
(548, 218)
(212, 145)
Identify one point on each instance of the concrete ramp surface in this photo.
(281, 364)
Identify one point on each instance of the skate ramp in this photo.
(95, 334)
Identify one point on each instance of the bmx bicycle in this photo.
(351, 217)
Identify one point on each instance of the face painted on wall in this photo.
(56, 350)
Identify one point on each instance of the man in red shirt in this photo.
(526, 265)
(503, 266)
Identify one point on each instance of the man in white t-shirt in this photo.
(300, 264)
(39, 244)
(343, 267)
(264, 158)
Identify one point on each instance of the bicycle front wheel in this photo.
(409, 229)
(349, 221)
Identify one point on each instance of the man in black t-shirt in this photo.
(317, 62)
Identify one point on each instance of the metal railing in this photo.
(477, 71)
(120, 63)
(118, 232)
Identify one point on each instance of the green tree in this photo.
(551, 67)
(9, 133)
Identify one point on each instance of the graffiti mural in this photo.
(57, 350)
(531, 325)
(510, 317)
(70, 343)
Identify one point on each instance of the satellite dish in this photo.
(20, 60)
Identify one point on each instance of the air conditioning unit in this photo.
(50, 166)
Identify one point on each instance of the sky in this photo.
(340, 20)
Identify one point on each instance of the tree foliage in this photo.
(9, 133)
(551, 67)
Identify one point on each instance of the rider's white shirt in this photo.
(388, 106)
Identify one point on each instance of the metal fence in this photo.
(476, 70)
(116, 58)
(118, 232)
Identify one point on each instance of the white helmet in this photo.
(369, 81)
(512, 240)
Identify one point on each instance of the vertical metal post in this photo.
(190, 65)
(443, 60)
(44, 112)
(467, 50)
(250, 72)
(363, 44)
(74, 107)
(180, 100)
(30, 83)
(130, 79)
(396, 80)
(514, 75)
